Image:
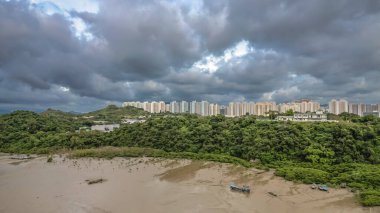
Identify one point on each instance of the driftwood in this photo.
(273, 194)
(99, 180)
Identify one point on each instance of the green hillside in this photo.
(113, 113)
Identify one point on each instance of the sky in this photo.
(83, 55)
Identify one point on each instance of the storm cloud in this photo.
(79, 57)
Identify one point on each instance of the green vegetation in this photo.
(113, 113)
(370, 198)
(347, 152)
(306, 175)
(111, 152)
(357, 176)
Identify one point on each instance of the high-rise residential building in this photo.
(136, 104)
(247, 108)
(338, 106)
(204, 108)
(198, 107)
(362, 109)
(214, 109)
(333, 106)
(377, 107)
(146, 106)
(153, 107)
(251, 108)
(355, 109)
(263, 108)
(174, 107)
(306, 105)
(223, 110)
(184, 107)
(283, 108)
(192, 107)
(161, 107)
(371, 107)
(343, 106)
(230, 109)
(235, 109)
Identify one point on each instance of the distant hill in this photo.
(114, 113)
(109, 114)
(49, 121)
(53, 120)
(55, 112)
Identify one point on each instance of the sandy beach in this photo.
(155, 185)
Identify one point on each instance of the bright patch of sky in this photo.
(289, 92)
(64, 7)
(211, 63)
(80, 29)
(64, 89)
(68, 5)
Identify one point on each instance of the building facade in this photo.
(306, 117)
(338, 106)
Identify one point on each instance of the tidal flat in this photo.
(156, 185)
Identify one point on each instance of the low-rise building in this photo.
(375, 113)
(310, 116)
(83, 129)
(105, 127)
(131, 121)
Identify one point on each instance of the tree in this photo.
(289, 112)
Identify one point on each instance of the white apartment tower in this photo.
(338, 106)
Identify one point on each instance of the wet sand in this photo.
(155, 185)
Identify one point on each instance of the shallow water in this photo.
(154, 185)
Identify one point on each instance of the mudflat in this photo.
(155, 185)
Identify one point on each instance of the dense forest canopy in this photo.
(245, 137)
(306, 151)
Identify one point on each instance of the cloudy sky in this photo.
(82, 55)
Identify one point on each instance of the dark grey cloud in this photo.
(145, 39)
(324, 38)
(150, 50)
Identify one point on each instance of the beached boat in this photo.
(314, 186)
(243, 188)
(21, 157)
(323, 188)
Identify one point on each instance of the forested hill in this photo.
(28, 131)
(245, 137)
(251, 139)
(110, 114)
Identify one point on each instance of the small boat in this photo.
(243, 188)
(20, 157)
(323, 188)
(314, 186)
